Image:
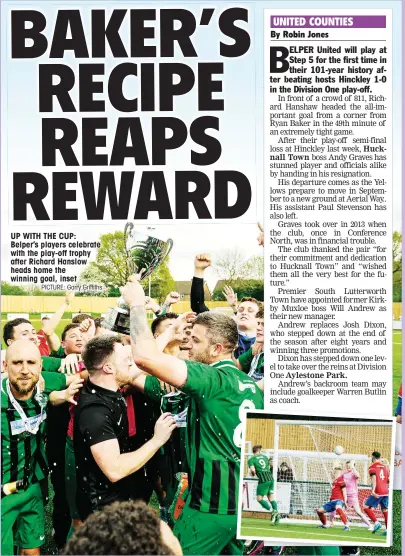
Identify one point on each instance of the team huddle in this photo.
(114, 418)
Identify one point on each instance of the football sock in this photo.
(370, 514)
(265, 504)
(342, 515)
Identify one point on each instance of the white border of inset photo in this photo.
(302, 417)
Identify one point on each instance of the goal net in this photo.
(305, 454)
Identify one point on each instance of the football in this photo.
(339, 450)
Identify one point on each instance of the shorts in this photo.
(264, 489)
(332, 505)
(22, 520)
(207, 534)
(352, 500)
(375, 501)
(70, 478)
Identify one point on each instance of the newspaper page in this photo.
(201, 268)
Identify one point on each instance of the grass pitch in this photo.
(262, 528)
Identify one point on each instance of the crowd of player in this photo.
(345, 494)
(114, 418)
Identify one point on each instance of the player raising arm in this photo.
(219, 395)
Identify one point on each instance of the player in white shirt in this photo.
(351, 477)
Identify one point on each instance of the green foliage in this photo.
(11, 289)
(244, 288)
(110, 268)
(162, 282)
(397, 293)
(397, 259)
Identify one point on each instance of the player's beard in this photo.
(25, 387)
(201, 357)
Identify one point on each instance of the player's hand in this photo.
(170, 540)
(72, 390)
(69, 297)
(172, 298)
(180, 323)
(185, 318)
(88, 329)
(70, 364)
(132, 292)
(230, 296)
(138, 276)
(164, 427)
(202, 261)
(260, 237)
(399, 419)
(85, 325)
(257, 347)
(167, 387)
(151, 305)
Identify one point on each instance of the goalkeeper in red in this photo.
(380, 478)
(337, 501)
(259, 466)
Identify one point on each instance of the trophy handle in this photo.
(169, 248)
(128, 228)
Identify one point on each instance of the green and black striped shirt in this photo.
(220, 394)
(174, 451)
(261, 463)
(22, 453)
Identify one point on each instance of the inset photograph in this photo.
(319, 481)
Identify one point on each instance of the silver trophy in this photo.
(143, 255)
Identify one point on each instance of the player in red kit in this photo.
(380, 478)
(337, 501)
(43, 344)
